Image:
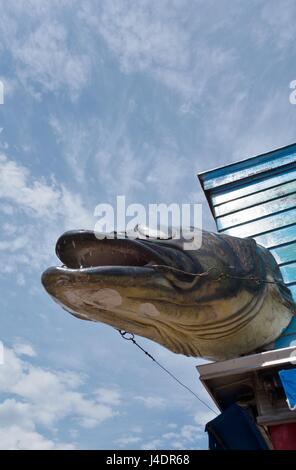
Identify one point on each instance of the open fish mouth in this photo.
(136, 265)
(85, 250)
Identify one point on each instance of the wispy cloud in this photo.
(24, 349)
(37, 207)
(43, 57)
(187, 436)
(35, 404)
(128, 440)
(157, 38)
(152, 402)
(108, 396)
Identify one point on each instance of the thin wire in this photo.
(220, 276)
(131, 338)
(172, 268)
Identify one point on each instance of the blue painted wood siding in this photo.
(257, 198)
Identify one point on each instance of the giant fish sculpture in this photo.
(225, 299)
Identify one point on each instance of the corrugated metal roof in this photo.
(256, 198)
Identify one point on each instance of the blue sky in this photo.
(104, 98)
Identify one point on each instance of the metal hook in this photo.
(126, 335)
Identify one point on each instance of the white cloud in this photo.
(152, 402)
(202, 417)
(108, 396)
(186, 433)
(161, 39)
(187, 436)
(40, 198)
(168, 173)
(9, 85)
(89, 148)
(276, 27)
(42, 398)
(191, 433)
(18, 438)
(139, 36)
(8, 228)
(24, 349)
(36, 197)
(152, 445)
(76, 139)
(43, 53)
(45, 58)
(40, 210)
(127, 440)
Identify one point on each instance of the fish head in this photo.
(160, 288)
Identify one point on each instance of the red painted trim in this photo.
(283, 436)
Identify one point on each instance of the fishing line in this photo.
(220, 275)
(131, 337)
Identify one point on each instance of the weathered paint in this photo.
(256, 198)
